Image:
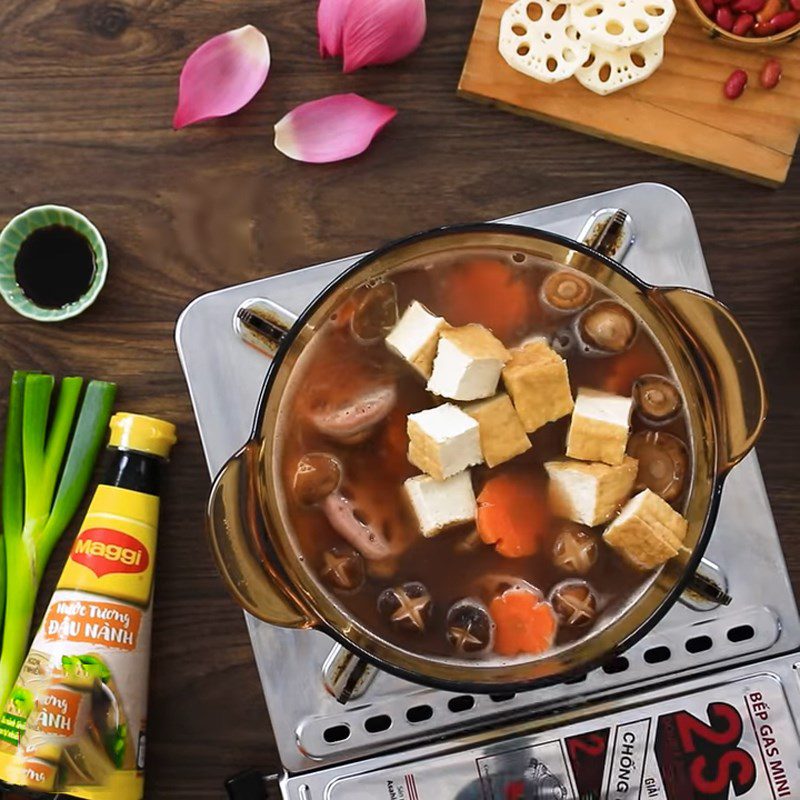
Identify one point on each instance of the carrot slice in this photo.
(513, 513)
(524, 623)
(488, 292)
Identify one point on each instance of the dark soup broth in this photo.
(344, 461)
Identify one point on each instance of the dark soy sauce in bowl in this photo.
(54, 266)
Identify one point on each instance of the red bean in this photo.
(785, 20)
(795, 4)
(770, 73)
(709, 8)
(724, 18)
(764, 29)
(735, 84)
(743, 24)
(748, 6)
(771, 8)
(721, 2)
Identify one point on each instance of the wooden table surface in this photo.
(87, 91)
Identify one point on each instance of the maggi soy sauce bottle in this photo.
(81, 697)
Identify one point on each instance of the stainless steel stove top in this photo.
(312, 729)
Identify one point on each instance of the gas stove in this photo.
(349, 733)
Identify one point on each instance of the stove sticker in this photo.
(540, 771)
(736, 741)
(587, 756)
(627, 764)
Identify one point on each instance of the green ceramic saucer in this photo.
(18, 230)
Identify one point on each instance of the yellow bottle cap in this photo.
(143, 434)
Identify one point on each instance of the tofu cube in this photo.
(439, 505)
(589, 493)
(501, 432)
(647, 532)
(416, 336)
(536, 377)
(443, 441)
(600, 426)
(467, 364)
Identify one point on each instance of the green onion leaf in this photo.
(35, 411)
(57, 438)
(13, 484)
(90, 433)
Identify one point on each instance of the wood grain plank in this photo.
(88, 88)
(679, 112)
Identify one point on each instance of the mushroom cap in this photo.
(663, 463)
(657, 398)
(343, 569)
(315, 477)
(376, 313)
(575, 548)
(566, 290)
(574, 602)
(407, 606)
(608, 326)
(470, 627)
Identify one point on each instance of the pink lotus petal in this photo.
(330, 19)
(381, 31)
(222, 76)
(331, 129)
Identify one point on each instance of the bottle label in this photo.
(75, 720)
(114, 552)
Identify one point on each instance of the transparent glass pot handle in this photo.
(239, 545)
(727, 366)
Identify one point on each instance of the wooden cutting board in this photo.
(680, 112)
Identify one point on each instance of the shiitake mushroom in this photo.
(663, 463)
(575, 548)
(343, 569)
(574, 602)
(376, 313)
(407, 606)
(608, 326)
(470, 627)
(657, 398)
(315, 477)
(566, 291)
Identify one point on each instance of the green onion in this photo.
(90, 433)
(33, 520)
(13, 486)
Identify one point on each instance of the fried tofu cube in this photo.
(536, 377)
(600, 427)
(647, 532)
(416, 336)
(443, 441)
(589, 493)
(501, 432)
(468, 363)
(439, 505)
